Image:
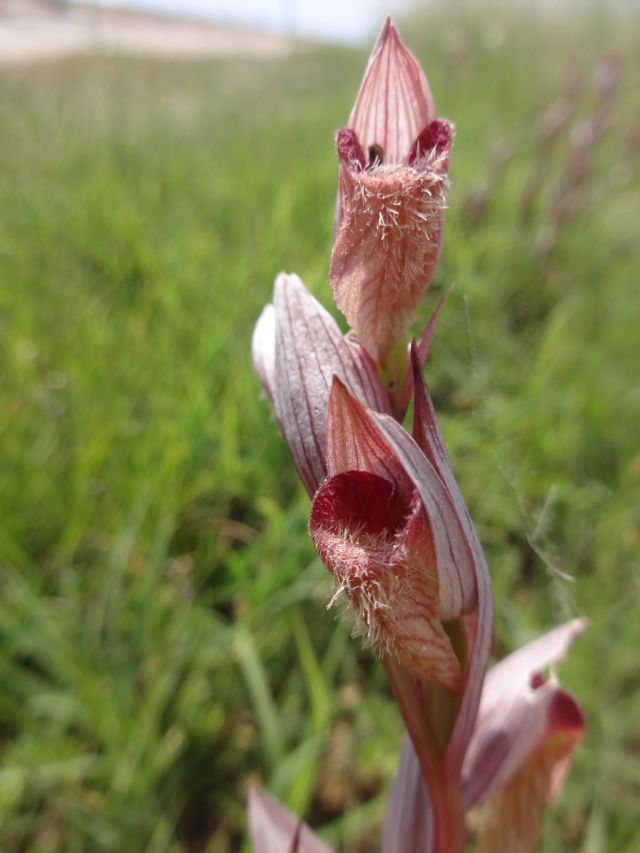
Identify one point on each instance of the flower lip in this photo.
(379, 547)
(387, 245)
(359, 439)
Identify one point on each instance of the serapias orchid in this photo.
(387, 518)
(394, 158)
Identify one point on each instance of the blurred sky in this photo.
(333, 20)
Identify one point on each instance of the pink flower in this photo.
(394, 158)
(515, 762)
(525, 733)
(372, 532)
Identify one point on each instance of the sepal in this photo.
(297, 350)
(273, 829)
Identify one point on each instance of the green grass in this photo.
(163, 633)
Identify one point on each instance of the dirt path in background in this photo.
(31, 31)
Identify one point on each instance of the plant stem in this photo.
(412, 698)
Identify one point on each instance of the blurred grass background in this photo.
(163, 633)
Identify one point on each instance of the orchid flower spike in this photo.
(394, 158)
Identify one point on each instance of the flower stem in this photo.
(412, 696)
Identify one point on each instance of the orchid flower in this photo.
(518, 756)
(394, 158)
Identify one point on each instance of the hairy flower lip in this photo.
(379, 547)
(394, 182)
(360, 439)
(371, 505)
(387, 248)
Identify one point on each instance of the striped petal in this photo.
(297, 349)
(478, 626)
(519, 709)
(273, 829)
(263, 350)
